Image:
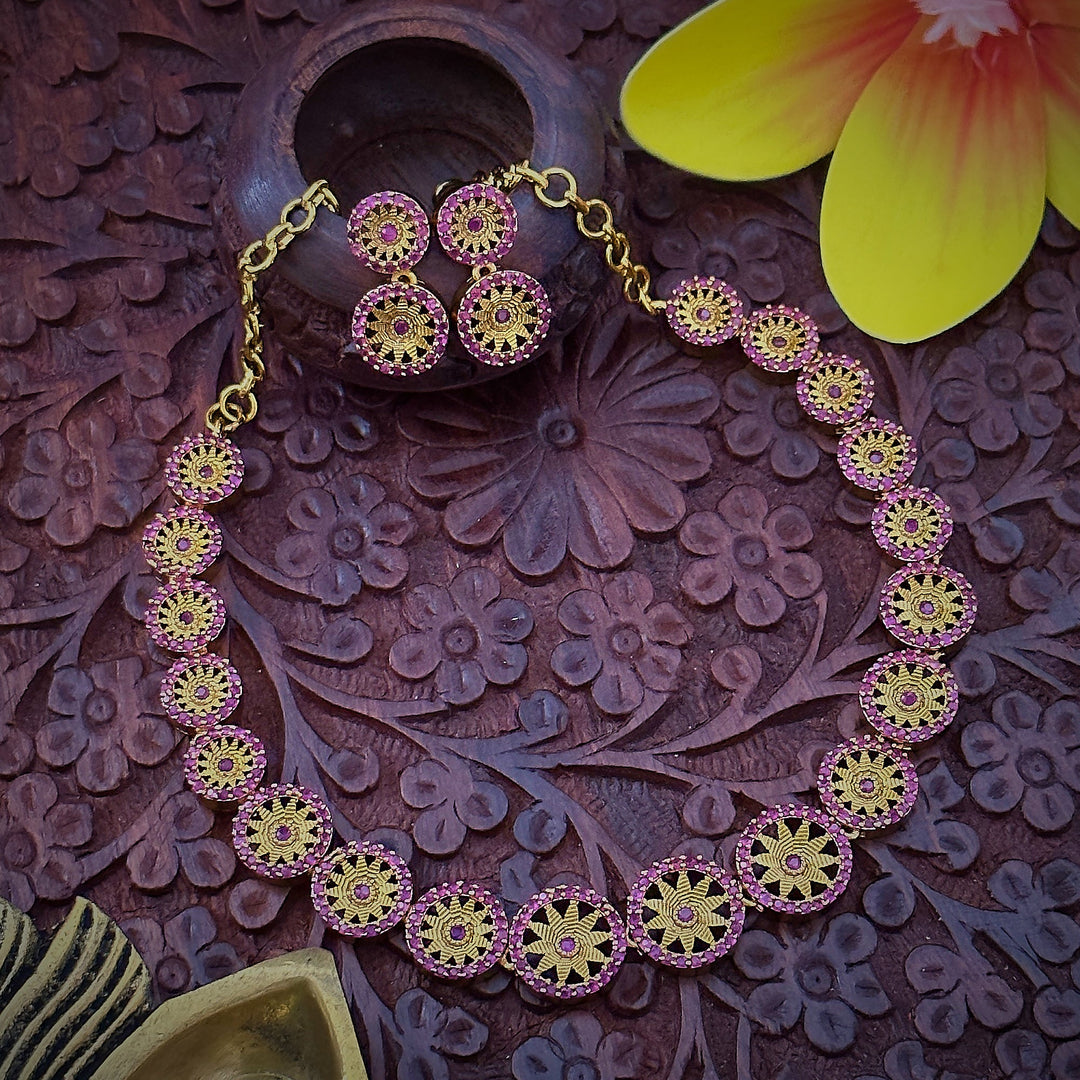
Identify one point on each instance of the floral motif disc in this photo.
(183, 540)
(388, 232)
(282, 831)
(199, 691)
(204, 469)
(705, 310)
(928, 606)
(185, 616)
(477, 224)
(835, 389)
(793, 859)
(400, 328)
(566, 942)
(909, 696)
(503, 318)
(867, 784)
(225, 765)
(684, 912)
(911, 524)
(362, 889)
(876, 455)
(457, 931)
(779, 338)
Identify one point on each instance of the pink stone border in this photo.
(181, 513)
(783, 364)
(196, 496)
(326, 866)
(882, 723)
(419, 911)
(245, 785)
(856, 410)
(414, 294)
(636, 900)
(161, 637)
(908, 553)
(516, 949)
(761, 895)
(413, 210)
(188, 720)
(862, 821)
(934, 640)
(450, 207)
(286, 870)
(687, 331)
(472, 298)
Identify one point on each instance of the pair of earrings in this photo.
(400, 327)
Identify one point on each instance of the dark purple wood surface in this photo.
(402, 638)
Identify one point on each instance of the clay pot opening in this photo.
(407, 114)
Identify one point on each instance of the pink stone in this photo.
(226, 764)
(926, 607)
(475, 224)
(793, 862)
(282, 833)
(388, 233)
(835, 391)
(685, 914)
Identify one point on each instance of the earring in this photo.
(400, 327)
(504, 315)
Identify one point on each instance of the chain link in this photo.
(595, 221)
(236, 404)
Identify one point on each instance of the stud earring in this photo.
(400, 327)
(504, 315)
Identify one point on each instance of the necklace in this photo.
(682, 912)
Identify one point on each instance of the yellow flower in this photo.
(950, 121)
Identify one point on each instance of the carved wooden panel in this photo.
(544, 630)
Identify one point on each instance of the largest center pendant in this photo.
(400, 327)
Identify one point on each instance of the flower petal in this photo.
(936, 189)
(745, 90)
(1055, 35)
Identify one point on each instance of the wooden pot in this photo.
(403, 97)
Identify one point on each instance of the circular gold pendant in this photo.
(184, 540)
(504, 317)
(204, 469)
(566, 942)
(282, 831)
(909, 696)
(684, 912)
(928, 606)
(457, 931)
(793, 859)
(867, 784)
(362, 889)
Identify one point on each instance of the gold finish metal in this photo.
(236, 403)
(285, 1019)
(595, 221)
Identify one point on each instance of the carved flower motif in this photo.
(955, 987)
(465, 634)
(346, 537)
(576, 1048)
(559, 25)
(907, 1061)
(714, 241)
(1038, 898)
(311, 11)
(623, 643)
(176, 839)
(1054, 326)
(48, 147)
(999, 390)
(82, 478)
(1029, 756)
(185, 953)
(1022, 1054)
(825, 978)
(753, 550)
(1057, 1012)
(451, 804)
(313, 416)
(429, 1031)
(572, 461)
(38, 832)
(768, 417)
(105, 716)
